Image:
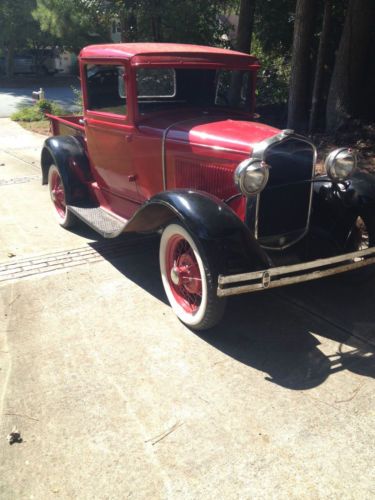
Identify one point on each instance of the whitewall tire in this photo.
(188, 281)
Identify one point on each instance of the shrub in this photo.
(78, 99)
(44, 106)
(36, 112)
(28, 114)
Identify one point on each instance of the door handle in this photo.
(82, 121)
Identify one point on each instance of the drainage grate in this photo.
(19, 180)
(52, 262)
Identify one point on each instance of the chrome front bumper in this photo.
(288, 275)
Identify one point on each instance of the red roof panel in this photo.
(130, 50)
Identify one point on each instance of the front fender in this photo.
(227, 242)
(335, 208)
(361, 191)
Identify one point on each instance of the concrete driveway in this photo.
(114, 398)
(12, 99)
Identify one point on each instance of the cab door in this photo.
(109, 135)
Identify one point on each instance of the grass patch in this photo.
(39, 127)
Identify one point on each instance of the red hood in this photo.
(221, 133)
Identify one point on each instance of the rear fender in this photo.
(227, 242)
(68, 154)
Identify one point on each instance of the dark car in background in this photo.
(33, 62)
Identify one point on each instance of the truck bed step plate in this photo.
(98, 219)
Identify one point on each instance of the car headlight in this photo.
(251, 176)
(340, 164)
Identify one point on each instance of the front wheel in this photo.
(189, 281)
(362, 237)
(58, 196)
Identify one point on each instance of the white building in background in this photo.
(65, 62)
(115, 31)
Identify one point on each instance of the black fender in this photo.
(336, 207)
(228, 244)
(68, 154)
(357, 193)
(361, 191)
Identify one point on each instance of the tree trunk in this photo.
(245, 26)
(156, 21)
(9, 65)
(300, 75)
(124, 34)
(243, 43)
(350, 71)
(320, 63)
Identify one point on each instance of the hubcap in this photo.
(175, 275)
(58, 194)
(184, 275)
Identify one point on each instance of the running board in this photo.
(98, 219)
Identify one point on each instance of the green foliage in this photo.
(184, 21)
(15, 21)
(77, 99)
(272, 44)
(274, 24)
(75, 22)
(188, 21)
(36, 112)
(274, 75)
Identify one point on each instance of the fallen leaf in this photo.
(14, 436)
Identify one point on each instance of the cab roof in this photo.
(139, 53)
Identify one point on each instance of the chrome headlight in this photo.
(340, 164)
(251, 176)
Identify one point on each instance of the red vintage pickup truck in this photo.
(168, 143)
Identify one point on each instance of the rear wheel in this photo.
(188, 280)
(58, 196)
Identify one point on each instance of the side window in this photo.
(233, 88)
(106, 88)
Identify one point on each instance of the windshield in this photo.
(161, 89)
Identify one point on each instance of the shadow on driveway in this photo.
(274, 332)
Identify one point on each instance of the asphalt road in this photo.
(12, 99)
(114, 398)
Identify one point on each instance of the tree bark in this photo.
(10, 59)
(350, 71)
(243, 43)
(320, 63)
(300, 76)
(245, 26)
(155, 15)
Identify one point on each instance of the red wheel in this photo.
(187, 281)
(57, 192)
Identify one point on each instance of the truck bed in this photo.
(66, 125)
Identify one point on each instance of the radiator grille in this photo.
(285, 203)
(210, 177)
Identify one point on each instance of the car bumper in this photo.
(297, 273)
